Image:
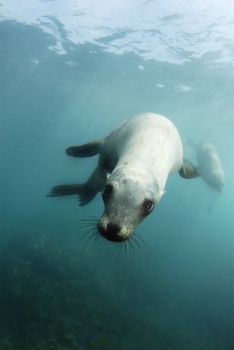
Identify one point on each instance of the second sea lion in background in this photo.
(209, 165)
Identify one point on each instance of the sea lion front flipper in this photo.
(86, 150)
(189, 170)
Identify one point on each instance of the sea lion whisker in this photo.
(139, 247)
(75, 230)
(136, 241)
(79, 222)
(97, 236)
(126, 247)
(132, 245)
(129, 248)
(86, 233)
(88, 220)
(92, 230)
(81, 234)
(83, 219)
(91, 217)
(123, 247)
(91, 237)
(81, 227)
(139, 238)
(86, 225)
(119, 249)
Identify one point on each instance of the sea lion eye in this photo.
(148, 206)
(107, 192)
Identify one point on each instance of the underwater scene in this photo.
(71, 72)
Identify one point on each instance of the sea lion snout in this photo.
(112, 231)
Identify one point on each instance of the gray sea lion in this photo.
(209, 165)
(134, 164)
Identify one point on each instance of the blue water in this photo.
(70, 73)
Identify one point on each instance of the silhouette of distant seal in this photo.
(134, 164)
(209, 166)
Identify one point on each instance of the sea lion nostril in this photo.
(113, 229)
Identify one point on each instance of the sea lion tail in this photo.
(85, 193)
(86, 150)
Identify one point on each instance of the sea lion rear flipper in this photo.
(85, 191)
(64, 190)
(189, 170)
(86, 150)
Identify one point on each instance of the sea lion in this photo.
(134, 164)
(209, 166)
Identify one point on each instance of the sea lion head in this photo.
(129, 196)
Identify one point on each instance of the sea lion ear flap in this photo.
(189, 170)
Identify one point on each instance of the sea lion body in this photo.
(148, 144)
(134, 164)
(142, 152)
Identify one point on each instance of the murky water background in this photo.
(70, 73)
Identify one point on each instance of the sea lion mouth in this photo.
(117, 239)
(112, 232)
